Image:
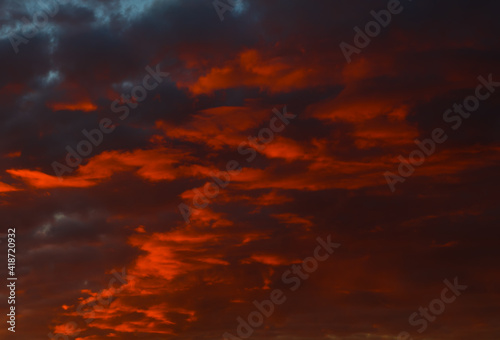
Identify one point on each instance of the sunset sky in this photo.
(120, 119)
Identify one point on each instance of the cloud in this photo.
(321, 175)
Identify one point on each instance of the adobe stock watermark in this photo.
(372, 29)
(87, 309)
(222, 6)
(233, 167)
(435, 308)
(38, 21)
(295, 276)
(95, 137)
(427, 147)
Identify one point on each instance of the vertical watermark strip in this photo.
(11, 278)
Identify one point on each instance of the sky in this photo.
(171, 167)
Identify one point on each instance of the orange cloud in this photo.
(217, 127)
(269, 259)
(253, 69)
(155, 165)
(7, 188)
(81, 106)
(40, 180)
(293, 219)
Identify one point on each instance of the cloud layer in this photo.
(322, 174)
